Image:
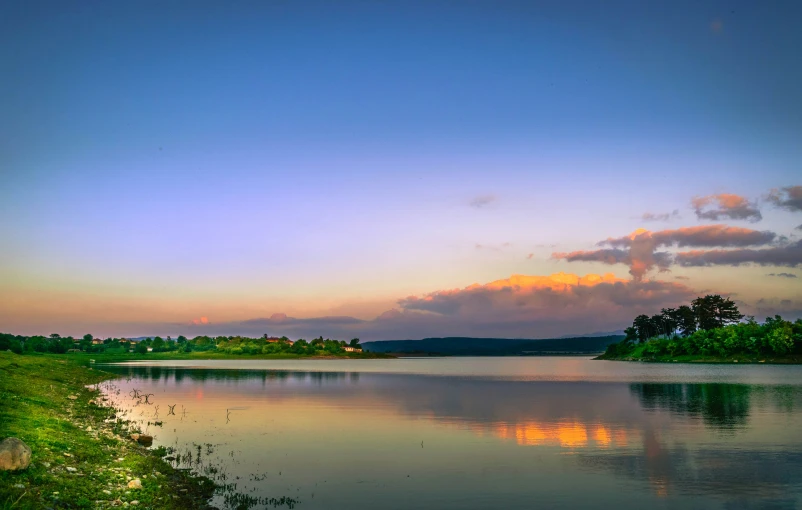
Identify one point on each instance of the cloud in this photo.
(782, 275)
(769, 307)
(482, 201)
(521, 306)
(639, 249)
(660, 217)
(789, 197)
(201, 321)
(493, 247)
(522, 297)
(788, 255)
(725, 205)
(281, 319)
(681, 278)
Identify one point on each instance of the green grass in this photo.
(78, 434)
(638, 354)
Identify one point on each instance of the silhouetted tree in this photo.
(643, 327)
(713, 311)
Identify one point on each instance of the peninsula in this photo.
(709, 330)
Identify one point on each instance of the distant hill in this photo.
(465, 346)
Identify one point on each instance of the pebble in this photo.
(107, 492)
(72, 397)
(68, 455)
(71, 469)
(135, 484)
(135, 502)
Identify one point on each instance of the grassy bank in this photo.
(639, 355)
(81, 457)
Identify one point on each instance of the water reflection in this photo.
(328, 437)
(720, 405)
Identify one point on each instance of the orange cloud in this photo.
(521, 306)
(638, 250)
(523, 298)
(202, 321)
(725, 205)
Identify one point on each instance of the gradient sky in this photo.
(331, 161)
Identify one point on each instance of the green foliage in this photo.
(35, 407)
(713, 311)
(705, 313)
(224, 345)
(775, 337)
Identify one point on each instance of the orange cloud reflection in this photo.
(567, 434)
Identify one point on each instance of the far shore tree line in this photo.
(58, 344)
(709, 326)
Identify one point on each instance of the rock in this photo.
(67, 454)
(19, 486)
(71, 469)
(135, 502)
(14, 454)
(89, 429)
(145, 439)
(135, 437)
(135, 484)
(72, 397)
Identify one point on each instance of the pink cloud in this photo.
(639, 249)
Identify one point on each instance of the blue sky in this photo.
(162, 163)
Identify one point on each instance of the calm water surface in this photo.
(544, 432)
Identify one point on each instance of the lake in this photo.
(476, 433)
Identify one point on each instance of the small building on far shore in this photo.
(349, 348)
(275, 340)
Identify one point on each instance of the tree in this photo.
(643, 327)
(686, 320)
(631, 334)
(88, 337)
(713, 311)
(181, 339)
(141, 348)
(157, 344)
(354, 342)
(659, 325)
